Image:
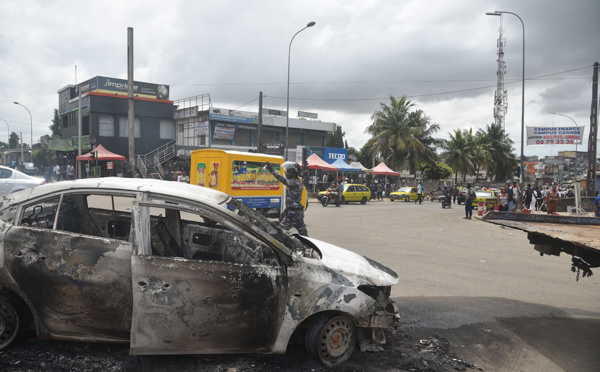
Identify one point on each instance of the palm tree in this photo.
(502, 160)
(390, 130)
(399, 133)
(457, 153)
(424, 149)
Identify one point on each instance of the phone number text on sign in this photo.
(554, 142)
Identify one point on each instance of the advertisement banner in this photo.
(115, 86)
(225, 133)
(273, 148)
(202, 128)
(331, 154)
(233, 116)
(252, 175)
(555, 135)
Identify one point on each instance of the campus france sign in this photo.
(554, 135)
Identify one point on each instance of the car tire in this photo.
(13, 318)
(407, 198)
(363, 200)
(331, 339)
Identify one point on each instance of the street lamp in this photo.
(499, 13)
(556, 113)
(8, 135)
(31, 121)
(287, 116)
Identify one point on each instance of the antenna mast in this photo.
(500, 97)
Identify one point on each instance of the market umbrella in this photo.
(357, 164)
(315, 162)
(383, 169)
(343, 167)
(101, 155)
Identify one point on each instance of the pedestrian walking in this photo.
(454, 193)
(420, 190)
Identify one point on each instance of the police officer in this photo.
(293, 215)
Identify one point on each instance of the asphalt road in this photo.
(481, 286)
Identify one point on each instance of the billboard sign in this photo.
(233, 116)
(224, 133)
(554, 135)
(120, 87)
(310, 115)
(273, 148)
(331, 154)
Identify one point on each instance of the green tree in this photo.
(365, 154)
(13, 140)
(43, 157)
(336, 138)
(502, 161)
(391, 132)
(436, 171)
(457, 153)
(55, 127)
(423, 132)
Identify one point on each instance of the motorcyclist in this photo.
(293, 215)
(447, 196)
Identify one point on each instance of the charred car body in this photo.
(172, 268)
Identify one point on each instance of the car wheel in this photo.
(331, 340)
(363, 200)
(12, 318)
(407, 198)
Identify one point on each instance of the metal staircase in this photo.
(149, 165)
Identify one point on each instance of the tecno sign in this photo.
(331, 154)
(334, 157)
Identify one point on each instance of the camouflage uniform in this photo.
(294, 210)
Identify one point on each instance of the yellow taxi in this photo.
(352, 193)
(406, 193)
(482, 196)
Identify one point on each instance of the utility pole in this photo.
(592, 144)
(79, 125)
(130, 106)
(260, 118)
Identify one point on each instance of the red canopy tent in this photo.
(101, 154)
(315, 162)
(384, 170)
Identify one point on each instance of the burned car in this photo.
(173, 268)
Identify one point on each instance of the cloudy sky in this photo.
(440, 53)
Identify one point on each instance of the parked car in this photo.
(482, 196)
(406, 193)
(173, 268)
(29, 169)
(12, 180)
(352, 193)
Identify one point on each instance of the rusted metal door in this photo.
(78, 284)
(193, 306)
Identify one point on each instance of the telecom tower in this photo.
(500, 97)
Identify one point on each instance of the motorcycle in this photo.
(331, 196)
(447, 202)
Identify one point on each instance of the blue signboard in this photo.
(331, 154)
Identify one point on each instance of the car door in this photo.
(78, 284)
(208, 300)
(6, 180)
(350, 194)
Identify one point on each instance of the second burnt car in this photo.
(173, 268)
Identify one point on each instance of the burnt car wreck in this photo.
(172, 268)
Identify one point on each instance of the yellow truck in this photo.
(242, 175)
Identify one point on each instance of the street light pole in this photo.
(556, 113)
(287, 115)
(499, 13)
(8, 134)
(31, 122)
